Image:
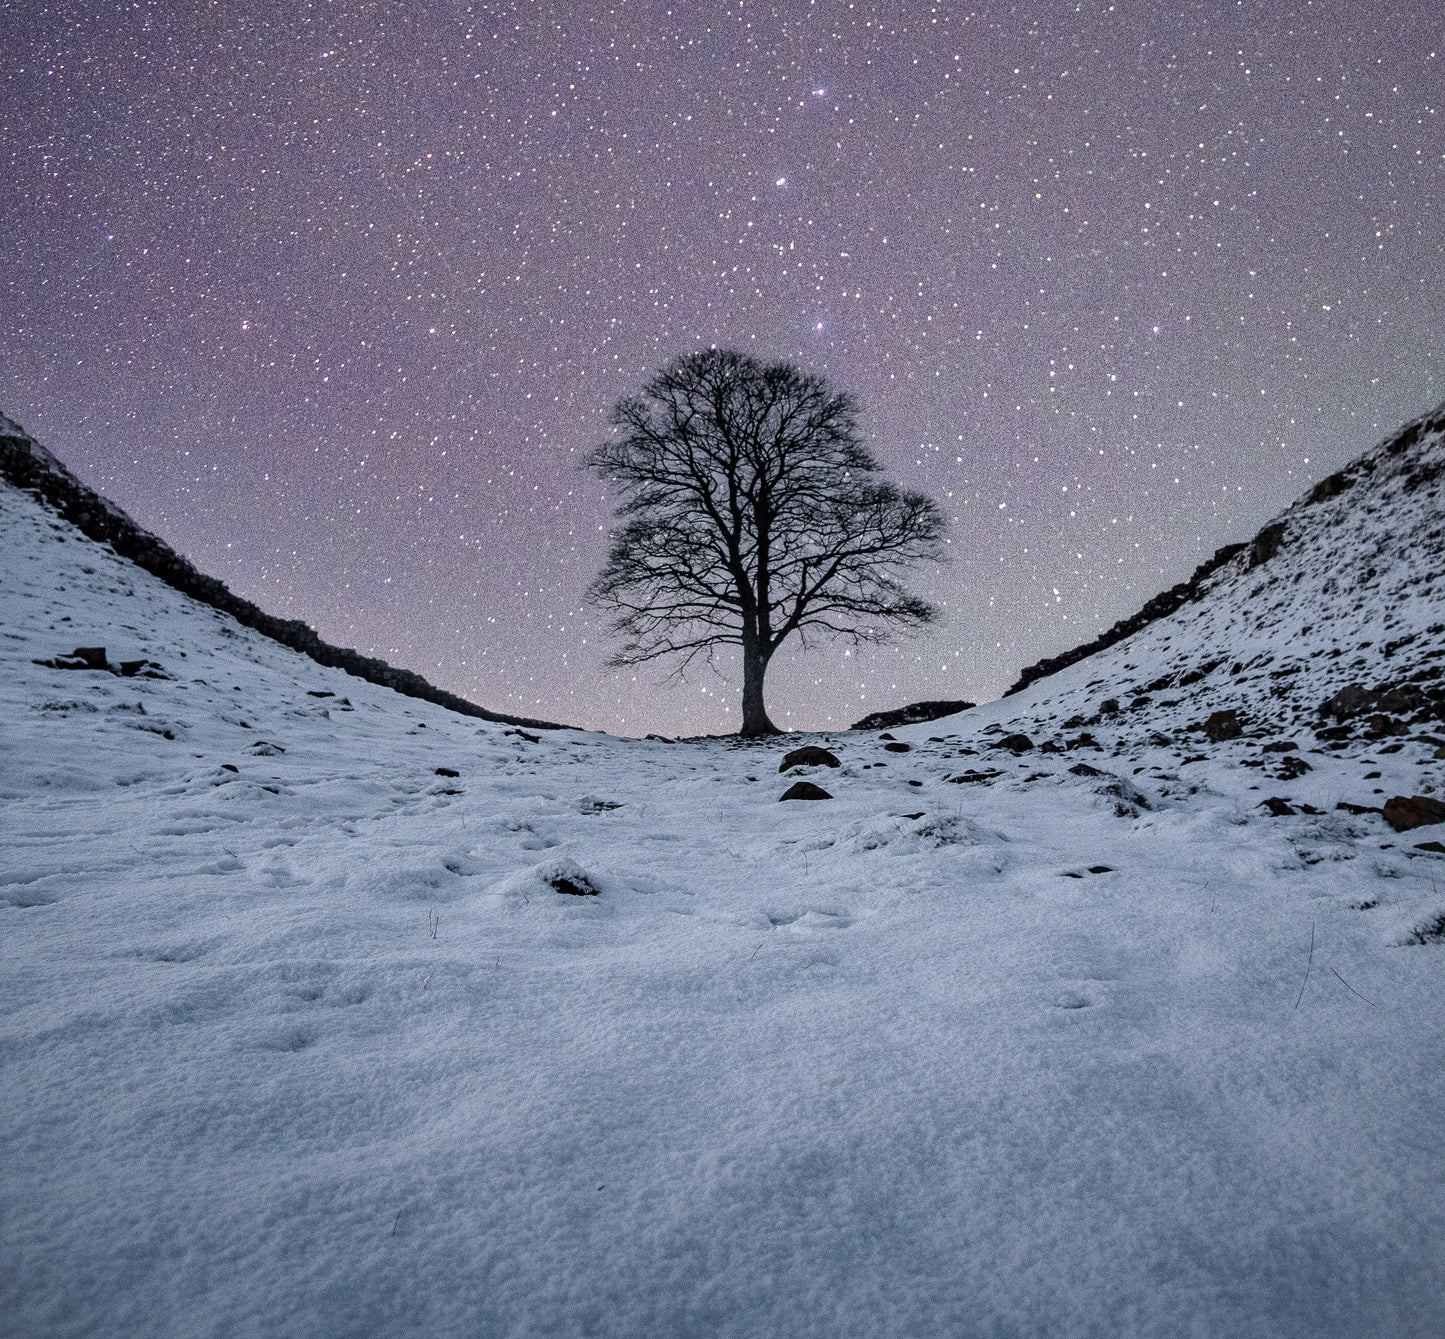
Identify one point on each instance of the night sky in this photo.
(335, 297)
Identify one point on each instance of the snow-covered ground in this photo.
(299, 1037)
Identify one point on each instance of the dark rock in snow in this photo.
(913, 714)
(804, 790)
(1277, 805)
(897, 746)
(1223, 725)
(809, 756)
(1415, 811)
(1437, 847)
(1109, 706)
(447, 771)
(1280, 746)
(971, 776)
(1015, 744)
(1083, 769)
(1266, 544)
(578, 887)
(1351, 700)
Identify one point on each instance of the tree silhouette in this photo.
(754, 514)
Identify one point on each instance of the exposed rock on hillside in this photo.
(28, 465)
(1362, 549)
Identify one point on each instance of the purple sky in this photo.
(335, 297)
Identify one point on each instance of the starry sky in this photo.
(335, 296)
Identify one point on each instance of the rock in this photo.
(1379, 724)
(1351, 700)
(1083, 769)
(447, 771)
(319, 692)
(810, 755)
(1333, 732)
(1277, 805)
(804, 790)
(573, 886)
(1280, 746)
(1015, 744)
(1415, 811)
(1358, 808)
(1223, 725)
(1266, 544)
(1101, 869)
(897, 746)
(1437, 847)
(264, 750)
(1402, 699)
(972, 776)
(1051, 746)
(1084, 741)
(1292, 767)
(1109, 706)
(913, 714)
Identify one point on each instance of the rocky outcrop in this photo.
(28, 465)
(913, 714)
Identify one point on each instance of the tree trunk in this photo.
(755, 714)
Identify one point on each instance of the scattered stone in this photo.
(537, 739)
(810, 755)
(1051, 746)
(885, 736)
(1437, 847)
(972, 776)
(898, 746)
(1277, 805)
(1223, 725)
(319, 692)
(1101, 869)
(1415, 811)
(1083, 769)
(1292, 767)
(1338, 733)
(1402, 699)
(1084, 741)
(229, 767)
(919, 814)
(1015, 744)
(804, 790)
(264, 750)
(1280, 746)
(447, 771)
(1109, 706)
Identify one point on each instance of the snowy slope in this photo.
(299, 1037)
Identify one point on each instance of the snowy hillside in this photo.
(1060, 1017)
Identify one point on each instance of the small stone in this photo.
(1280, 746)
(897, 746)
(1083, 769)
(447, 771)
(809, 756)
(578, 887)
(1437, 847)
(1109, 706)
(1101, 869)
(804, 790)
(1277, 805)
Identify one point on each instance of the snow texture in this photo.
(301, 1037)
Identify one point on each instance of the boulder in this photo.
(1351, 700)
(810, 755)
(1223, 725)
(897, 746)
(804, 790)
(1266, 544)
(1415, 811)
(1015, 744)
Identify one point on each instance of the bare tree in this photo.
(754, 514)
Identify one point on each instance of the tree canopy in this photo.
(754, 514)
